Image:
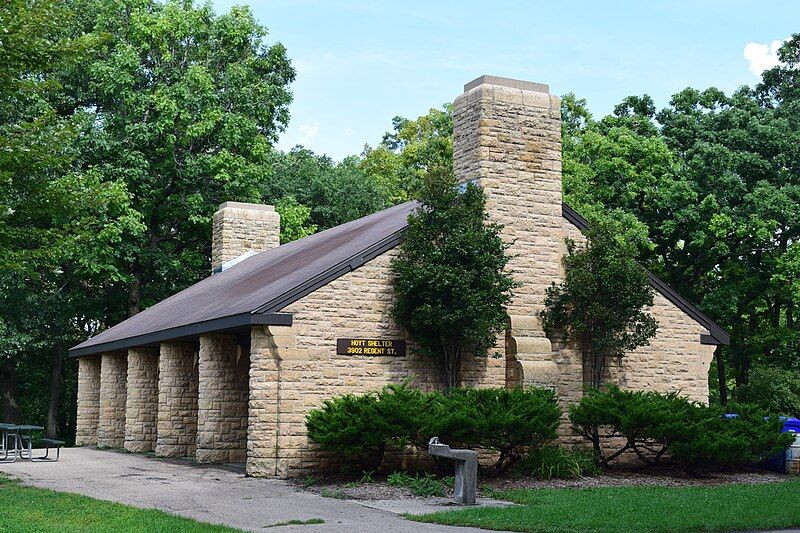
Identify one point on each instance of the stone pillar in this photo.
(88, 401)
(264, 450)
(113, 379)
(177, 400)
(507, 139)
(222, 400)
(239, 228)
(141, 408)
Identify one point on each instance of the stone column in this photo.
(88, 401)
(222, 400)
(507, 139)
(263, 448)
(177, 400)
(113, 378)
(239, 228)
(141, 408)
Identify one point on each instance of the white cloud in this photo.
(308, 132)
(762, 56)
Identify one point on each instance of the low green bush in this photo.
(504, 420)
(697, 437)
(775, 390)
(556, 462)
(646, 420)
(711, 440)
(350, 425)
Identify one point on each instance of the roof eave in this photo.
(188, 332)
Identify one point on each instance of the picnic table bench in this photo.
(18, 435)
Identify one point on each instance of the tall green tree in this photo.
(601, 303)
(741, 157)
(60, 224)
(334, 192)
(450, 278)
(713, 179)
(410, 151)
(184, 105)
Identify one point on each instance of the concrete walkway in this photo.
(214, 494)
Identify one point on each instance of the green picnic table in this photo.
(20, 435)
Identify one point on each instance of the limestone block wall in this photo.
(177, 400)
(141, 407)
(239, 227)
(113, 397)
(222, 400)
(88, 413)
(507, 139)
(294, 369)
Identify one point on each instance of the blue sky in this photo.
(361, 63)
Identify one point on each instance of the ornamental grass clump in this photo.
(552, 461)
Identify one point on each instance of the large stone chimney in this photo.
(507, 139)
(240, 230)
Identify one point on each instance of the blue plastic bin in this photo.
(777, 463)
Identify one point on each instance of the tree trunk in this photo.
(134, 290)
(451, 365)
(55, 390)
(723, 386)
(9, 394)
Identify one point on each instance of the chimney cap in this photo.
(508, 82)
(245, 205)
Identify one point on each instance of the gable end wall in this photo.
(294, 369)
(674, 361)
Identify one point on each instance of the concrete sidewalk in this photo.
(214, 494)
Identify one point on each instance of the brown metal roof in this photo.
(255, 290)
(252, 291)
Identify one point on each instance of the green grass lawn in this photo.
(31, 509)
(645, 509)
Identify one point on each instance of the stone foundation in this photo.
(177, 400)
(88, 413)
(113, 397)
(222, 400)
(141, 408)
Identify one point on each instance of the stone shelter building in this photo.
(226, 370)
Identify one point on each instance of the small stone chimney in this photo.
(240, 230)
(507, 139)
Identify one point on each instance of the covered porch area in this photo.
(187, 396)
